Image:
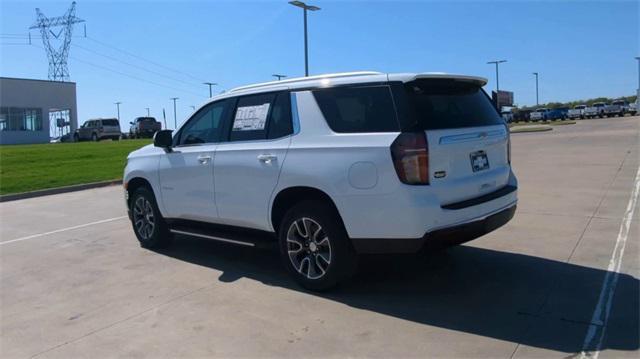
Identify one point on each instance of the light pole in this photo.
(537, 99)
(175, 116)
(210, 84)
(305, 7)
(638, 92)
(118, 107)
(279, 77)
(497, 62)
(147, 112)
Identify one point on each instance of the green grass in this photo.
(26, 168)
(552, 123)
(539, 128)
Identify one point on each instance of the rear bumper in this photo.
(440, 238)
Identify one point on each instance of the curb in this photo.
(57, 190)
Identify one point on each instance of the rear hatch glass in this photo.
(445, 103)
(110, 123)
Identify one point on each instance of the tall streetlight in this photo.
(118, 106)
(175, 116)
(305, 7)
(497, 62)
(210, 84)
(537, 99)
(279, 77)
(147, 112)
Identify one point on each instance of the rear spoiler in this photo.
(480, 81)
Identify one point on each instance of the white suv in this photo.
(330, 166)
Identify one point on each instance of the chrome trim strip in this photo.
(249, 244)
(472, 136)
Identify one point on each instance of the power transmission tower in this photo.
(58, 70)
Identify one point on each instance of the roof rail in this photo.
(309, 78)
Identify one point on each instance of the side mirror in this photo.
(163, 139)
(131, 123)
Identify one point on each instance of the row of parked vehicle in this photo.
(599, 109)
(109, 128)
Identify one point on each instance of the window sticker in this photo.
(251, 118)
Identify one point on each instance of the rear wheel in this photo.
(94, 137)
(314, 246)
(148, 224)
(76, 138)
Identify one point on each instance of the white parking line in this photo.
(603, 308)
(62, 230)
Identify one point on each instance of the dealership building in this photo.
(34, 111)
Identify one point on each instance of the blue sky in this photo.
(582, 49)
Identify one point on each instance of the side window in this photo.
(280, 123)
(250, 118)
(205, 126)
(358, 109)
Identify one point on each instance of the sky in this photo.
(142, 53)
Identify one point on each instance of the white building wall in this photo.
(46, 95)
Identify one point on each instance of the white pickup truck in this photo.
(616, 108)
(633, 108)
(577, 111)
(595, 110)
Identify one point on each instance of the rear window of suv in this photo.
(442, 103)
(358, 109)
(110, 123)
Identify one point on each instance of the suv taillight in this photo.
(410, 154)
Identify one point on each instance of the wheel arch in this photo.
(138, 182)
(290, 196)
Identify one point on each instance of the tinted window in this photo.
(146, 119)
(358, 109)
(439, 104)
(110, 123)
(205, 126)
(250, 118)
(280, 124)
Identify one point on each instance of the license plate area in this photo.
(479, 161)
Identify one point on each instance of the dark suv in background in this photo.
(144, 127)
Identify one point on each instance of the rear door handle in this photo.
(267, 158)
(204, 159)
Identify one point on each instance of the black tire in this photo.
(342, 257)
(76, 138)
(116, 139)
(94, 137)
(156, 237)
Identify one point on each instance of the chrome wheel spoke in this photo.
(143, 219)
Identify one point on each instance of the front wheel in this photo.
(314, 246)
(94, 137)
(148, 224)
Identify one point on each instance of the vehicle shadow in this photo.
(518, 298)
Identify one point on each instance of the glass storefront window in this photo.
(20, 119)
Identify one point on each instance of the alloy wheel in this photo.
(309, 248)
(143, 218)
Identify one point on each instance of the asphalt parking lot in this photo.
(560, 278)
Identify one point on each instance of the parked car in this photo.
(330, 167)
(144, 127)
(558, 113)
(576, 112)
(616, 108)
(541, 114)
(507, 116)
(633, 108)
(98, 129)
(595, 110)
